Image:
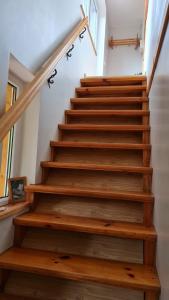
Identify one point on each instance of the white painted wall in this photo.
(7, 232)
(125, 20)
(155, 16)
(31, 30)
(159, 121)
(101, 36)
(123, 60)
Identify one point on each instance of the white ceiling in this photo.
(125, 13)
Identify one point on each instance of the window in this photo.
(6, 146)
(90, 9)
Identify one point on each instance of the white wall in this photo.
(159, 121)
(125, 19)
(31, 33)
(7, 232)
(31, 30)
(101, 36)
(123, 60)
(155, 16)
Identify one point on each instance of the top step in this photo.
(107, 81)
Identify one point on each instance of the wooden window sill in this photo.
(12, 209)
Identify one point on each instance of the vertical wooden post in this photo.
(53, 153)
(149, 252)
(60, 134)
(146, 140)
(148, 213)
(4, 275)
(145, 106)
(45, 172)
(149, 295)
(19, 235)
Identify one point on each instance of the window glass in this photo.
(6, 145)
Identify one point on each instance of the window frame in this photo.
(4, 199)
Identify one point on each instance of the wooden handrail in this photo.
(159, 47)
(8, 120)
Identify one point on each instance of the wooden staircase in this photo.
(89, 234)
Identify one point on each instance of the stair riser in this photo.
(106, 120)
(107, 106)
(116, 210)
(101, 137)
(28, 284)
(97, 179)
(112, 157)
(97, 246)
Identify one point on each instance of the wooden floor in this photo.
(89, 234)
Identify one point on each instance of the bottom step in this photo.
(80, 268)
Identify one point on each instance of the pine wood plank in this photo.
(96, 167)
(109, 90)
(115, 128)
(88, 225)
(80, 268)
(129, 113)
(94, 145)
(13, 209)
(103, 81)
(91, 193)
(151, 296)
(109, 100)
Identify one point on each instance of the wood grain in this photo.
(60, 289)
(97, 167)
(117, 146)
(109, 90)
(103, 81)
(88, 225)
(80, 268)
(100, 194)
(13, 209)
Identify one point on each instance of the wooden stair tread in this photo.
(92, 193)
(129, 113)
(112, 89)
(80, 268)
(96, 167)
(87, 225)
(91, 127)
(103, 81)
(109, 100)
(95, 145)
